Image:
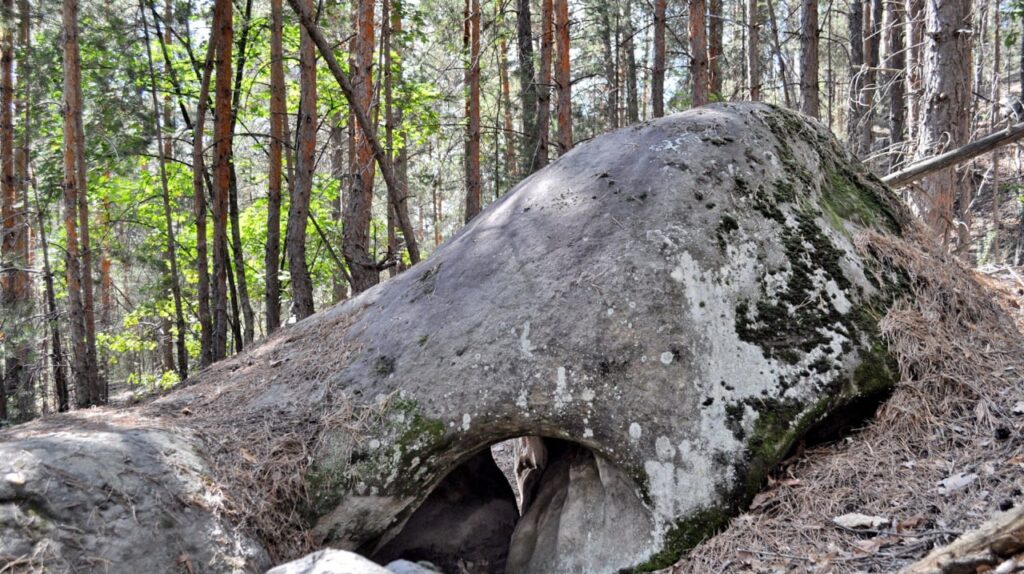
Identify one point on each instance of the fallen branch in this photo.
(958, 155)
(395, 193)
(991, 545)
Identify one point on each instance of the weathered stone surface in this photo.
(681, 298)
(583, 508)
(109, 493)
(330, 561)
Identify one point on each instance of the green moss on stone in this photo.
(846, 199)
(410, 435)
(686, 534)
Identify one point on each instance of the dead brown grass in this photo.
(958, 341)
(262, 416)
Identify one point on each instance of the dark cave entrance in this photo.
(476, 521)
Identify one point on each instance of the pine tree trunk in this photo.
(856, 114)
(305, 158)
(472, 38)
(356, 228)
(170, 254)
(779, 57)
(945, 117)
(396, 195)
(238, 257)
(278, 117)
(698, 53)
(401, 156)
(715, 48)
(60, 379)
(658, 73)
(629, 47)
(563, 78)
(15, 286)
(872, 48)
(87, 387)
(527, 87)
(506, 103)
(540, 158)
(223, 32)
(753, 51)
(387, 28)
(895, 62)
(914, 87)
(809, 103)
(199, 192)
(85, 246)
(611, 70)
(997, 196)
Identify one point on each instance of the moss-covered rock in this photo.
(682, 298)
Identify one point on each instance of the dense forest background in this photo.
(180, 178)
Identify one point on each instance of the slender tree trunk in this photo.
(234, 316)
(914, 85)
(88, 391)
(611, 69)
(945, 117)
(658, 73)
(60, 379)
(396, 195)
(872, 49)
(356, 229)
(698, 53)
(298, 210)
(563, 79)
(436, 200)
(401, 155)
(779, 55)
(895, 64)
(997, 197)
(16, 298)
(85, 245)
(809, 103)
(527, 87)
(856, 114)
(540, 158)
(21, 166)
(340, 144)
(206, 324)
(753, 51)
(278, 117)
(629, 47)
(1019, 257)
(715, 48)
(506, 102)
(473, 191)
(238, 258)
(387, 29)
(223, 32)
(13, 370)
(170, 254)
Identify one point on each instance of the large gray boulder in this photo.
(111, 492)
(674, 303)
